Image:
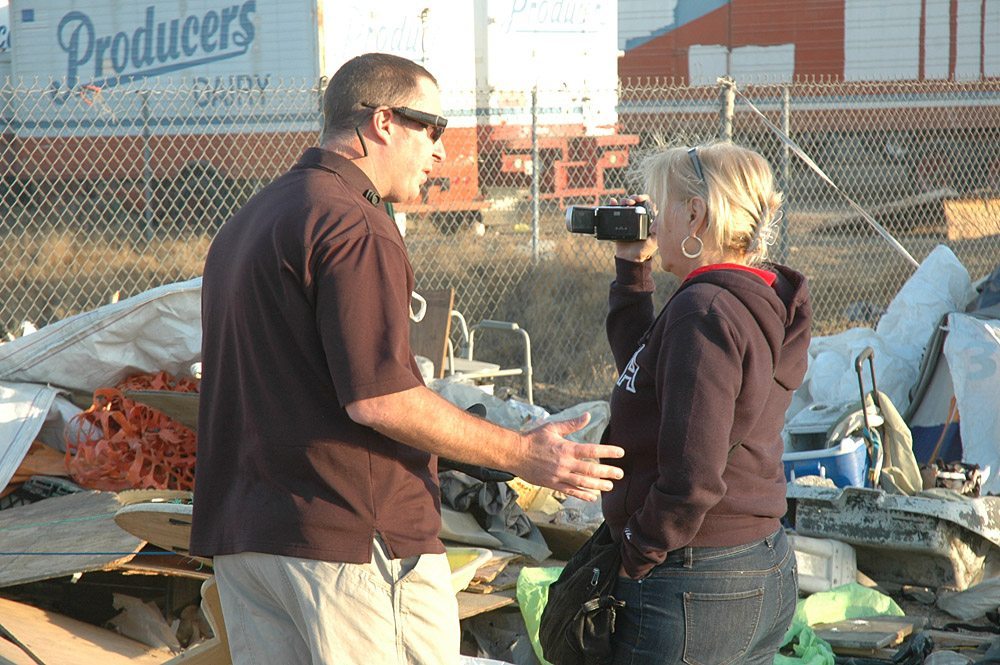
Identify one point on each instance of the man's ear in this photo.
(381, 124)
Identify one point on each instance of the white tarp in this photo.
(972, 348)
(159, 329)
(23, 410)
(941, 285)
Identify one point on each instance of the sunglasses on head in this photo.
(696, 164)
(435, 123)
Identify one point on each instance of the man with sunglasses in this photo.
(316, 487)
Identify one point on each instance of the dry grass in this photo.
(557, 289)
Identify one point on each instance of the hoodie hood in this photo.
(782, 311)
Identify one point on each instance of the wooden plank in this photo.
(216, 650)
(167, 564)
(55, 638)
(471, 604)
(876, 654)
(62, 536)
(166, 525)
(868, 633)
(489, 571)
(971, 218)
(947, 638)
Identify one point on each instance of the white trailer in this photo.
(125, 77)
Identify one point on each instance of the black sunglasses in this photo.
(435, 123)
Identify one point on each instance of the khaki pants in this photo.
(300, 611)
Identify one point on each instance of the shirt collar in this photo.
(318, 158)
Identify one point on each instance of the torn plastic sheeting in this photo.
(159, 329)
(941, 285)
(972, 603)
(520, 416)
(972, 349)
(143, 622)
(23, 410)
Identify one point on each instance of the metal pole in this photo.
(786, 170)
(727, 98)
(147, 170)
(536, 169)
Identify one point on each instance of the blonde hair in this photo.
(743, 207)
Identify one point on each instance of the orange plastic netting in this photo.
(119, 443)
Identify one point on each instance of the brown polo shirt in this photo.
(305, 303)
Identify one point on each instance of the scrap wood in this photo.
(55, 638)
(62, 536)
(503, 582)
(488, 571)
(947, 638)
(471, 604)
(868, 633)
(41, 460)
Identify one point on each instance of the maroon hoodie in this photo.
(699, 406)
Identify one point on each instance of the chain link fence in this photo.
(107, 193)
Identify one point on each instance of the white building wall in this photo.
(637, 18)
(881, 40)
(937, 39)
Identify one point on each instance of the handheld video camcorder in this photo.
(609, 222)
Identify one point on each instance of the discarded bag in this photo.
(579, 616)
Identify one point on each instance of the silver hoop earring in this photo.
(695, 254)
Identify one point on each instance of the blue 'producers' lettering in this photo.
(155, 47)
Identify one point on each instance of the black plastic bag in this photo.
(579, 616)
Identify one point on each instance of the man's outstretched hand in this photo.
(549, 459)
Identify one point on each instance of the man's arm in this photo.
(419, 417)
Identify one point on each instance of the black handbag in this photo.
(579, 616)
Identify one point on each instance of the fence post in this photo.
(147, 170)
(727, 99)
(535, 174)
(786, 170)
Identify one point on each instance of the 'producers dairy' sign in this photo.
(159, 45)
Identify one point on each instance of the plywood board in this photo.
(166, 525)
(62, 536)
(868, 633)
(429, 337)
(55, 638)
(471, 604)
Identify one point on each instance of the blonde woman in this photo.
(707, 574)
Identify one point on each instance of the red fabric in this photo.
(765, 275)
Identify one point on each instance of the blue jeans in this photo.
(709, 606)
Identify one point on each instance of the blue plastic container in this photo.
(846, 464)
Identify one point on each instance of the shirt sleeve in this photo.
(630, 308)
(698, 377)
(363, 287)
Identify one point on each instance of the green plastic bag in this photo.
(849, 601)
(532, 594)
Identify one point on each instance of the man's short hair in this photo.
(372, 78)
